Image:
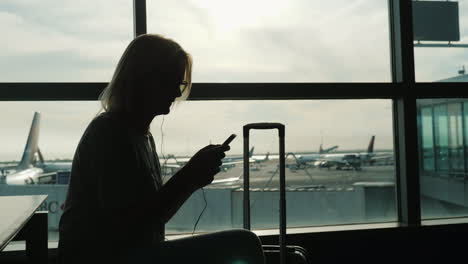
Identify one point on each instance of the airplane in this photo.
(261, 158)
(351, 161)
(31, 169)
(240, 158)
(354, 160)
(338, 160)
(304, 158)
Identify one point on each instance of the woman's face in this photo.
(162, 90)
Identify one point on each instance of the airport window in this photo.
(59, 127)
(340, 163)
(279, 41)
(332, 177)
(319, 56)
(60, 41)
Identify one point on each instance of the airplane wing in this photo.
(384, 155)
(8, 167)
(171, 165)
(232, 163)
(383, 158)
(237, 162)
(46, 178)
(227, 180)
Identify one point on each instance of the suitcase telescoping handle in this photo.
(282, 201)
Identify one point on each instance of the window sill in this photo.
(323, 229)
(445, 221)
(303, 230)
(21, 245)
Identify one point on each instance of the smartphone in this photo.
(229, 139)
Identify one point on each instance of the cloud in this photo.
(295, 42)
(64, 42)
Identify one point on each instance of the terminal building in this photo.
(443, 154)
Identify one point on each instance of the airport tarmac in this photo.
(266, 175)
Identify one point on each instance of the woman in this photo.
(116, 202)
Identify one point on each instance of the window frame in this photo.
(403, 90)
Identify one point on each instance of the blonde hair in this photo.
(146, 54)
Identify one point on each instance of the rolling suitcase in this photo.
(284, 253)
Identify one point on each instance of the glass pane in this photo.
(348, 182)
(59, 126)
(443, 189)
(279, 41)
(427, 139)
(339, 167)
(63, 41)
(441, 137)
(456, 152)
(441, 40)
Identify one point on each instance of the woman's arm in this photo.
(198, 172)
(162, 206)
(173, 195)
(165, 203)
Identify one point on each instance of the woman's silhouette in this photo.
(116, 203)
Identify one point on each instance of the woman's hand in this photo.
(203, 166)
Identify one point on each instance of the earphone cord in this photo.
(164, 177)
(162, 153)
(206, 203)
(203, 190)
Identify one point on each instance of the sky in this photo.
(230, 41)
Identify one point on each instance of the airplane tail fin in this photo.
(31, 144)
(370, 148)
(327, 150)
(251, 152)
(40, 157)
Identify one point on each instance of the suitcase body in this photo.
(282, 252)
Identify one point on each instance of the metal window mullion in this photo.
(139, 17)
(208, 91)
(407, 164)
(66, 91)
(51, 91)
(405, 113)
